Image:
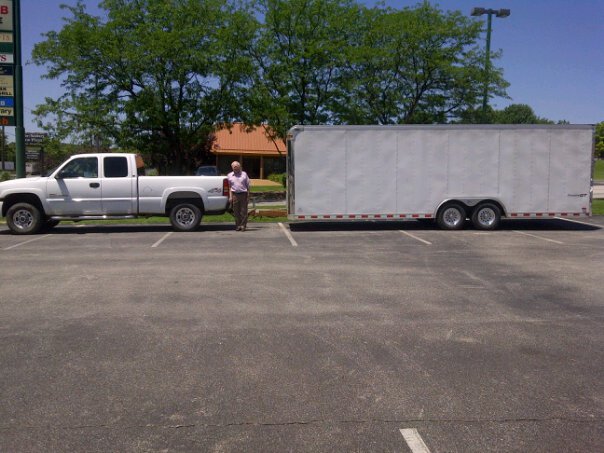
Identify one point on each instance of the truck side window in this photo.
(115, 167)
(84, 167)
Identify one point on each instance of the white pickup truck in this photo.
(107, 186)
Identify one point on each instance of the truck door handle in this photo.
(95, 185)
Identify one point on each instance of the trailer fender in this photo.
(470, 203)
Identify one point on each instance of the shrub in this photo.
(5, 176)
(281, 178)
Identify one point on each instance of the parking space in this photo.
(337, 234)
(309, 337)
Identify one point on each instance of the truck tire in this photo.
(24, 218)
(185, 217)
(451, 217)
(486, 216)
(51, 223)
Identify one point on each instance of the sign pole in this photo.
(3, 149)
(19, 126)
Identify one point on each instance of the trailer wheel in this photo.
(451, 217)
(486, 216)
(185, 217)
(24, 218)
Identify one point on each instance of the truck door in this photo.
(76, 188)
(119, 187)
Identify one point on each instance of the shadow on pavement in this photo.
(134, 228)
(426, 224)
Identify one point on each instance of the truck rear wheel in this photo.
(451, 217)
(24, 218)
(486, 216)
(185, 217)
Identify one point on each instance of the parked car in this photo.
(207, 170)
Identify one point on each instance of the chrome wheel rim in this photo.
(185, 217)
(23, 219)
(486, 217)
(452, 217)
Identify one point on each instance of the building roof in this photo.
(243, 140)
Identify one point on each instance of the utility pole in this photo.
(19, 123)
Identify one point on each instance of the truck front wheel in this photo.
(185, 217)
(24, 218)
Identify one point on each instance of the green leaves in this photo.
(413, 65)
(152, 74)
(159, 75)
(600, 140)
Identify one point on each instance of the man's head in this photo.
(236, 166)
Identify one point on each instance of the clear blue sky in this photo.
(553, 53)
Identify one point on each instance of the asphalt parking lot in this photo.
(319, 337)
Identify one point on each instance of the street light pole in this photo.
(501, 13)
(487, 66)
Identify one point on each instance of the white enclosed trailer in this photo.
(444, 172)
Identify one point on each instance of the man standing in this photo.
(238, 195)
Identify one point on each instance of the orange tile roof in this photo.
(240, 140)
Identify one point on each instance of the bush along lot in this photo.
(599, 170)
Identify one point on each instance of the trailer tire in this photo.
(185, 217)
(24, 218)
(451, 217)
(486, 216)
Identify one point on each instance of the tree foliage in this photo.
(299, 54)
(518, 114)
(161, 76)
(419, 65)
(600, 140)
(152, 74)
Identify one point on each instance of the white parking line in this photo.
(288, 235)
(539, 237)
(27, 242)
(166, 236)
(416, 238)
(414, 440)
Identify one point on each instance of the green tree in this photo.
(416, 65)
(518, 114)
(299, 53)
(600, 140)
(149, 74)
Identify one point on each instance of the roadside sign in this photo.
(7, 102)
(6, 15)
(7, 86)
(32, 154)
(6, 43)
(35, 139)
(7, 61)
